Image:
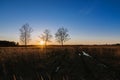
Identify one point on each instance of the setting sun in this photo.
(42, 42)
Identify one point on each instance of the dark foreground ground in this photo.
(56, 63)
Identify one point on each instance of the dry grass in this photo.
(37, 59)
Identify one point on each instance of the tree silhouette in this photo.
(46, 36)
(25, 34)
(62, 35)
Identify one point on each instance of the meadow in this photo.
(60, 63)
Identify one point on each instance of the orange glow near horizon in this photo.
(42, 43)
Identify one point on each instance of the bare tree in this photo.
(62, 35)
(25, 34)
(46, 36)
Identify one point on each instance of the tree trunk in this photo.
(62, 43)
(25, 39)
(45, 47)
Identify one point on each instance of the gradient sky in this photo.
(88, 21)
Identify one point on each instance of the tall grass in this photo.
(56, 63)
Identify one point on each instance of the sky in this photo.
(88, 21)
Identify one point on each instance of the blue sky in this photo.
(88, 21)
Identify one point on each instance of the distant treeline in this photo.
(8, 43)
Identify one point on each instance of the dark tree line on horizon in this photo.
(4, 43)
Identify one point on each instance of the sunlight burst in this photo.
(42, 42)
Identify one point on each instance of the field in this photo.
(60, 63)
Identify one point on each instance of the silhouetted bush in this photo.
(8, 43)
